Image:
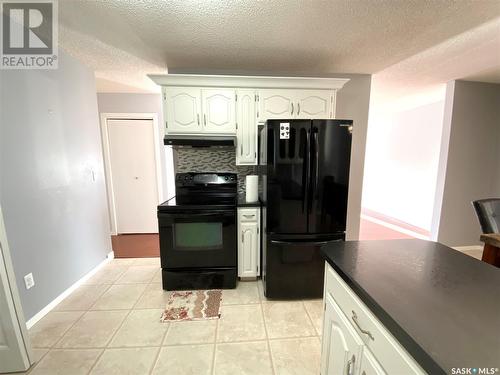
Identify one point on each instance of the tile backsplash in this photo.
(189, 159)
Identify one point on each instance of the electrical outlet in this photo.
(29, 281)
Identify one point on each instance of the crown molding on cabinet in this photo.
(261, 82)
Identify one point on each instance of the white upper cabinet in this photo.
(219, 111)
(183, 109)
(275, 104)
(191, 110)
(295, 104)
(314, 104)
(246, 121)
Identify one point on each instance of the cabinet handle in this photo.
(241, 149)
(205, 120)
(248, 216)
(355, 320)
(292, 110)
(298, 108)
(350, 365)
(242, 237)
(198, 118)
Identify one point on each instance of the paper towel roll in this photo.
(252, 188)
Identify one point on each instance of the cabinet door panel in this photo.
(369, 365)
(219, 111)
(248, 247)
(246, 152)
(341, 345)
(276, 104)
(183, 109)
(391, 356)
(314, 104)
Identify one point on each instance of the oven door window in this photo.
(198, 236)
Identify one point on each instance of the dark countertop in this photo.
(441, 305)
(243, 203)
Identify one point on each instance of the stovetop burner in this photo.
(203, 190)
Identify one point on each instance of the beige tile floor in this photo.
(111, 325)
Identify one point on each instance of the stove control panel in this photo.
(191, 179)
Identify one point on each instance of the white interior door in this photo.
(133, 176)
(13, 348)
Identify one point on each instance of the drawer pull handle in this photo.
(249, 216)
(350, 365)
(355, 320)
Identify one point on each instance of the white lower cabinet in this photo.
(248, 242)
(369, 365)
(355, 342)
(342, 346)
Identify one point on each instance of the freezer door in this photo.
(329, 183)
(293, 268)
(287, 175)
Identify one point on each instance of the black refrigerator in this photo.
(304, 169)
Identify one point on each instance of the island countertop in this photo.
(441, 305)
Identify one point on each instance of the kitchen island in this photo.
(409, 303)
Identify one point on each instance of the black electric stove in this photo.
(197, 227)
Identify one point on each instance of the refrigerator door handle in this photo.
(316, 156)
(307, 171)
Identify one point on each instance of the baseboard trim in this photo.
(394, 227)
(30, 323)
(396, 224)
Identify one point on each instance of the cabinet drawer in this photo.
(248, 214)
(392, 357)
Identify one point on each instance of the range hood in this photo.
(199, 141)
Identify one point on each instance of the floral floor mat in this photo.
(193, 305)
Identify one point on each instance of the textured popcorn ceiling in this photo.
(124, 40)
(472, 55)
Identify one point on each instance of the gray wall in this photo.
(140, 103)
(55, 212)
(472, 168)
(353, 102)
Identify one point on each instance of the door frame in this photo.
(14, 303)
(107, 157)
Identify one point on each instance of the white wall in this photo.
(402, 155)
(353, 102)
(52, 187)
(143, 103)
(471, 168)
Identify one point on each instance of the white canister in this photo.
(252, 188)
